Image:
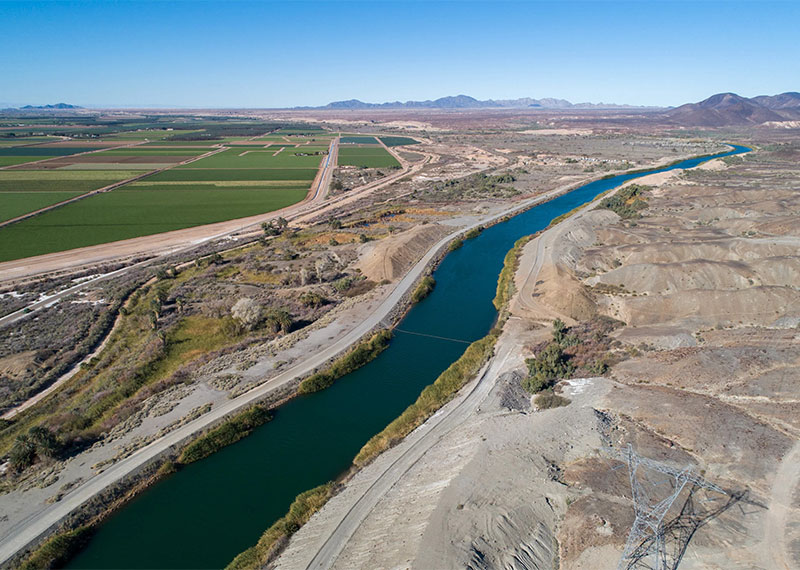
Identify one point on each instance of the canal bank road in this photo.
(209, 511)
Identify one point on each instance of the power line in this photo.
(434, 336)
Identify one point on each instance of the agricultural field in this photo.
(216, 175)
(130, 157)
(8, 141)
(366, 157)
(175, 144)
(14, 155)
(240, 158)
(151, 134)
(233, 182)
(353, 139)
(140, 209)
(23, 191)
(398, 141)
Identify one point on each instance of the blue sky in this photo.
(264, 54)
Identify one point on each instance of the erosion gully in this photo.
(209, 511)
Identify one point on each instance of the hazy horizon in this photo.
(291, 54)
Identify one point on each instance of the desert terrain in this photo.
(703, 280)
(702, 286)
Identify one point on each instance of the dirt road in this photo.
(421, 440)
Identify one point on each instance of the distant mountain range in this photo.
(467, 102)
(730, 109)
(723, 109)
(720, 110)
(57, 106)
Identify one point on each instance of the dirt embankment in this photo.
(391, 257)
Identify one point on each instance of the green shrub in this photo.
(456, 244)
(356, 358)
(548, 399)
(278, 320)
(424, 289)
(343, 284)
(38, 442)
(473, 233)
(56, 551)
(231, 431)
(312, 299)
(627, 202)
(23, 453)
(432, 398)
(547, 368)
(474, 186)
(505, 283)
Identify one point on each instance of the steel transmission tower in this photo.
(647, 546)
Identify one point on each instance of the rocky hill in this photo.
(467, 102)
(730, 109)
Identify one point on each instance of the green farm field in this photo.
(45, 151)
(239, 158)
(358, 139)
(130, 212)
(10, 156)
(136, 151)
(12, 160)
(104, 166)
(21, 141)
(148, 135)
(366, 157)
(23, 191)
(13, 204)
(236, 182)
(191, 145)
(214, 174)
(398, 141)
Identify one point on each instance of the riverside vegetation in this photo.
(505, 283)
(231, 431)
(356, 358)
(276, 536)
(424, 289)
(58, 549)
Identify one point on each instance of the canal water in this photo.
(208, 512)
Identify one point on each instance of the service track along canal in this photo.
(211, 510)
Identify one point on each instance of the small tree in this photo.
(269, 228)
(334, 223)
(46, 443)
(546, 368)
(247, 312)
(23, 452)
(312, 299)
(559, 330)
(278, 320)
(562, 336)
